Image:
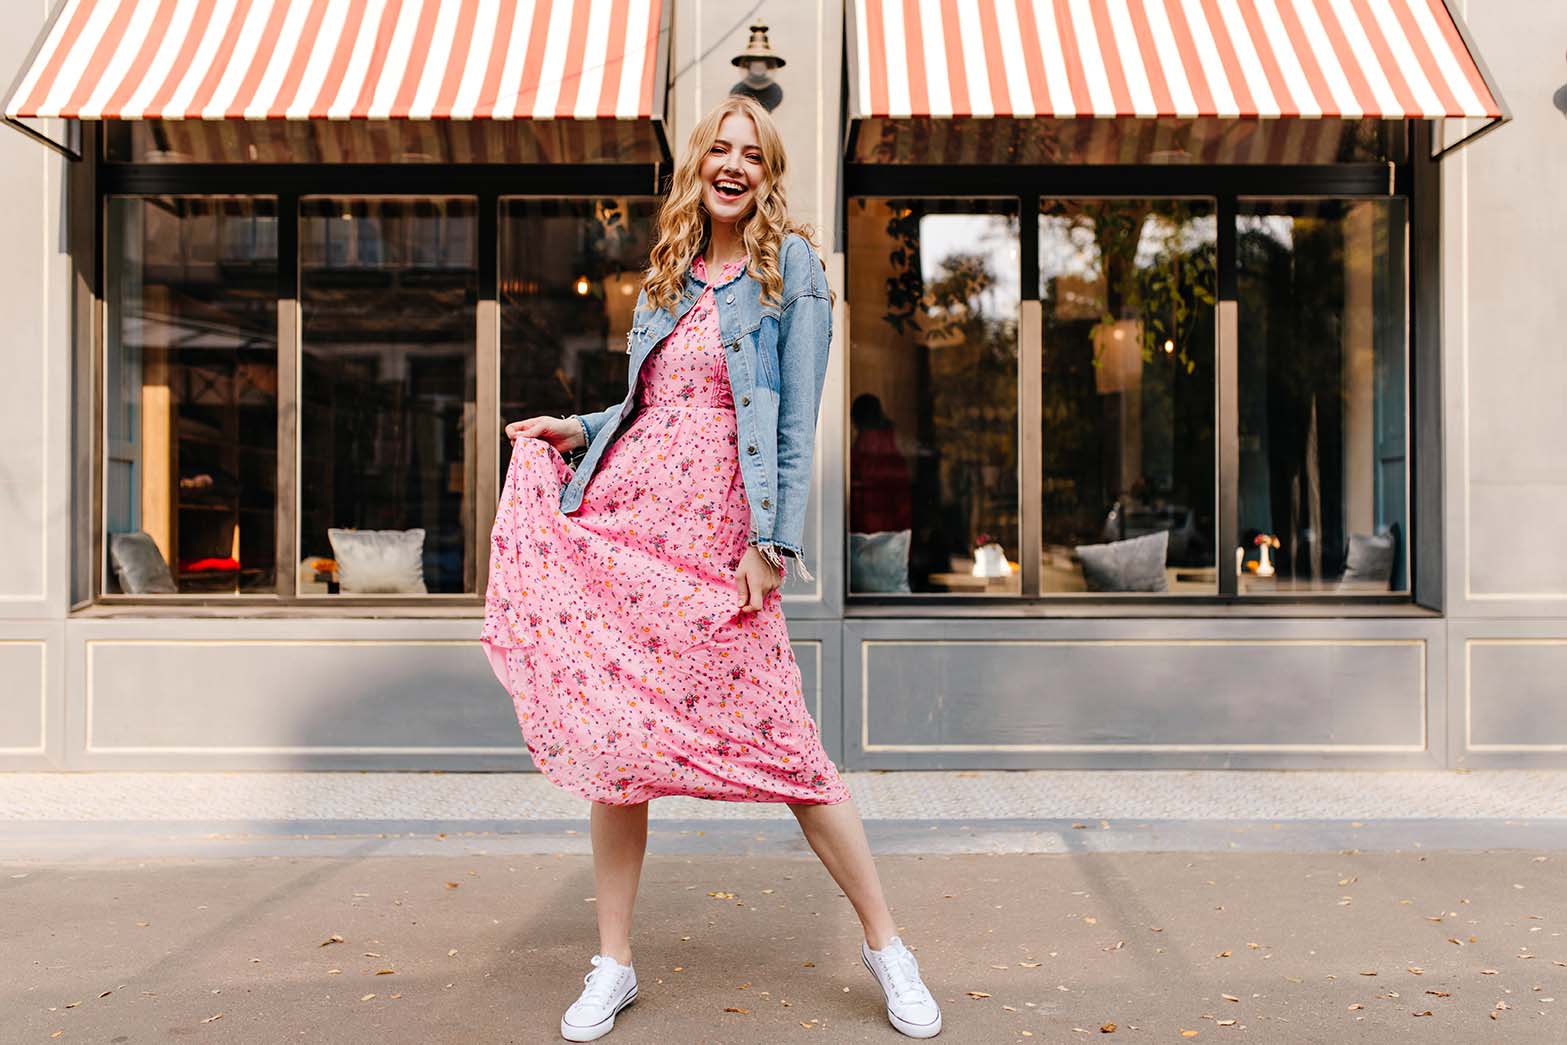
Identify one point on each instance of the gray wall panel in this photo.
(1210, 695)
(1508, 705)
(289, 697)
(1517, 693)
(24, 697)
(1143, 693)
(346, 693)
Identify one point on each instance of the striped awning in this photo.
(1351, 59)
(347, 59)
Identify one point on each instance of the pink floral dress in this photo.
(617, 629)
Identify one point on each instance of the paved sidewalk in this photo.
(1266, 947)
(91, 816)
(904, 795)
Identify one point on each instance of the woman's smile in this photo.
(731, 170)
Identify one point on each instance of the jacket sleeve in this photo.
(591, 423)
(804, 340)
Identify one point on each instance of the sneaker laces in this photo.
(598, 982)
(903, 969)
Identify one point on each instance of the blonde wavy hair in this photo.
(684, 225)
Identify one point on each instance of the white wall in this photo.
(35, 348)
(1505, 371)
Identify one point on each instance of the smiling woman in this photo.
(633, 610)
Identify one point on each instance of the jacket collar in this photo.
(695, 284)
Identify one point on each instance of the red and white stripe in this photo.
(345, 59)
(1150, 58)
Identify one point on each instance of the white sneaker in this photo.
(910, 1006)
(607, 988)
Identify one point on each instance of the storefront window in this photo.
(1324, 463)
(933, 457)
(569, 275)
(190, 480)
(388, 303)
(1127, 289)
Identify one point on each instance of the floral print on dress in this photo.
(617, 629)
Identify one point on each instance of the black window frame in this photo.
(94, 180)
(1415, 178)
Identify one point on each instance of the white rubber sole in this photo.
(913, 1030)
(598, 1030)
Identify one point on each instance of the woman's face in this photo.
(732, 170)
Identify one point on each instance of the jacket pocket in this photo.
(767, 353)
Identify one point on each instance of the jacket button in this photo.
(745, 400)
(729, 299)
(751, 449)
(766, 503)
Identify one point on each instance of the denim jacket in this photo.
(777, 365)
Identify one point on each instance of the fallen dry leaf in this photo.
(1224, 954)
(210, 1019)
(386, 972)
(334, 938)
(1225, 1023)
(1108, 1028)
(978, 994)
(1355, 1006)
(1372, 973)
(1229, 997)
(1441, 994)
(1029, 965)
(1190, 1033)
(736, 1008)
(367, 997)
(1425, 1013)
(452, 885)
(1417, 970)
(1487, 972)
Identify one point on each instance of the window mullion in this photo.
(288, 348)
(487, 393)
(1227, 402)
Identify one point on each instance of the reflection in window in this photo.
(933, 374)
(570, 271)
(191, 387)
(1127, 289)
(1322, 372)
(388, 296)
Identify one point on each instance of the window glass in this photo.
(933, 371)
(569, 271)
(1324, 461)
(1127, 291)
(388, 303)
(191, 395)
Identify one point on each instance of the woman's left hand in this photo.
(755, 579)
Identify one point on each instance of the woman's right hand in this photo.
(563, 433)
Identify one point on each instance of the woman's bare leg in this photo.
(838, 837)
(619, 843)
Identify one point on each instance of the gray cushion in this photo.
(1370, 558)
(139, 566)
(379, 562)
(879, 562)
(1135, 564)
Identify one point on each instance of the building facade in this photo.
(1171, 422)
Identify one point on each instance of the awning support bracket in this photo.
(69, 153)
(1489, 125)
